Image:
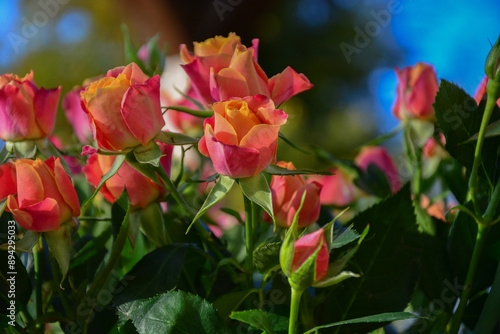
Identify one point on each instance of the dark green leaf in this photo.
(229, 302)
(257, 190)
(267, 322)
(267, 256)
(379, 318)
(149, 154)
(157, 272)
(173, 312)
(218, 192)
(114, 169)
(173, 138)
(277, 170)
(387, 260)
(459, 118)
(343, 237)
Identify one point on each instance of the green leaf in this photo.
(344, 237)
(267, 322)
(387, 260)
(277, 170)
(197, 113)
(173, 312)
(218, 192)
(5, 153)
(342, 276)
(257, 190)
(114, 169)
(173, 138)
(131, 50)
(267, 257)
(149, 154)
(379, 318)
(459, 118)
(147, 170)
(59, 242)
(3, 205)
(157, 272)
(229, 302)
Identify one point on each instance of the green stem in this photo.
(492, 206)
(37, 259)
(482, 231)
(490, 105)
(491, 311)
(249, 235)
(294, 311)
(64, 298)
(197, 113)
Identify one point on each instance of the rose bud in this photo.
(306, 247)
(124, 108)
(287, 194)
(337, 189)
(416, 91)
(241, 137)
(481, 90)
(39, 194)
(26, 111)
(141, 189)
(379, 157)
(492, 65)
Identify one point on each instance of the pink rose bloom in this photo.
(305, 247)
(379, 156)
(39, 193)
(416, 91)
(337, 190)
(287, 194)
(124, 108)
(222, 68)
(26, 111)
(141, 189)
(241, 137)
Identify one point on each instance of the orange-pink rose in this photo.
(124, 108)
(305, 247)
(39, 193)
(26, 111)
(416, 91)
(338, 189)
(287, 194)
(141, 189)
(223, 68)
(241, 137)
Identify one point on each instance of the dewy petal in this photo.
(45, 215)
(17, 116)
(228, 83)
(141, 110)
(45, 103)
(7, 180)
(232, 160)
(287, 84)
(29, 184)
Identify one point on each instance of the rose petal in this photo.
(29, 184)
(44, 216)
(45, 103)
(287, 84)
(7, 180)
(17, 117)
(228, 83)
